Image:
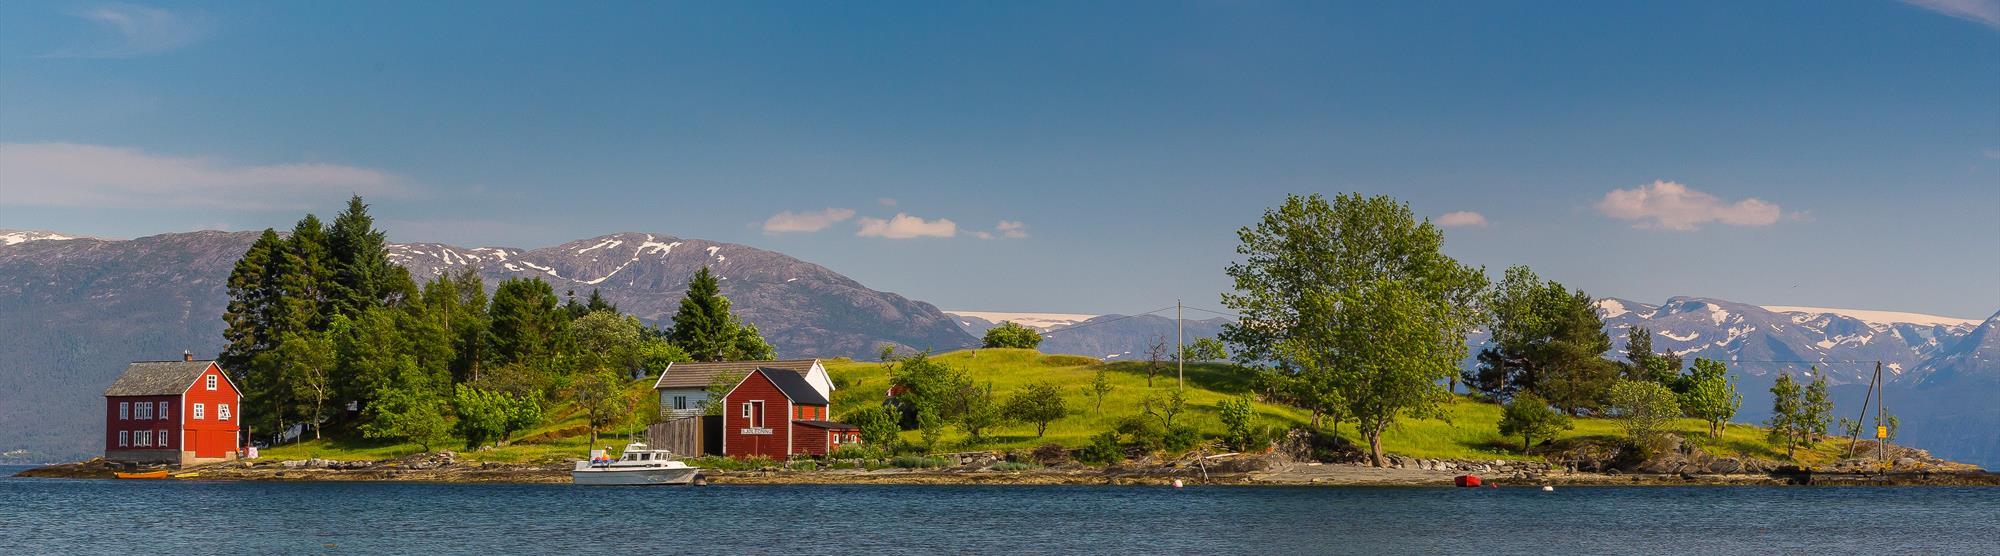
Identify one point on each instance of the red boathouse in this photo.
(777, 413)
(179, 412)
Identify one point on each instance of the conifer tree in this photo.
(358, 262)
(525, 324)
(702, 324)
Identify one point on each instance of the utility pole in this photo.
(1881, 412)
(1180, 343)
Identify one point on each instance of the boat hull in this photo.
(634, 477)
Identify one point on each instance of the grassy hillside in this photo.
(1468, 430)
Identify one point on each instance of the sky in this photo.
(1078, 157)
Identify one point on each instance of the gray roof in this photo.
(825, 424)
(157, 378)
(698, 375)
(794, 385)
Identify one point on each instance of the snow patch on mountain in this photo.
(1802, 314)
(1038, 321)
(15, 237)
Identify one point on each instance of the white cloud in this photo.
(1012, 229)
(813, 221)
(1984, 12)
(1672, 206)
(904, 226)
(69, 174)
(1463, 218)
(139, 31)
(886, 201)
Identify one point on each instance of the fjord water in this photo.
(101, 516)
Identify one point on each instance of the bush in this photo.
(1010, 335)
(803, 465)
(1181, 438)
(1102, 450)
(758, 461)
(857, 451)
(918, 462)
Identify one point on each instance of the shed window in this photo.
(211, 382)
(124, 410)
(680, 402)
(746, 410)
(124, 439)
(222, 412)
(199, 411)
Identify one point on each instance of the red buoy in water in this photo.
(1467, 481)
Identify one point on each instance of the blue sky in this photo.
(1089, 156)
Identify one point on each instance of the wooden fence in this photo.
(682, 436)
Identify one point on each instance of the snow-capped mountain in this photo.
(1108, 337)
(1973, 358)
(14, 237)
(1762, 341)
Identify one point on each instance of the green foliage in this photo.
(919, 462)
(1358, 306)
(1641, 363)
(1014, 466)
(878, 424)
(358, 261)
(1644, 409)
(1100, 386)
(409, 411)
(1206, 349)
(1010, 335)
(718, 386)
(703, 325)
(482, 415)
(976, 411)
(931, 427)
(526, 328)
(1166, 407)
(308, 359)
(607, 340)
(1547, 339)
(1103, 449)
(597, 394)
(1239, 419)
(1530, 417)
(1039, 404)
(1787, 422)
(656, 354)
(1707, 393)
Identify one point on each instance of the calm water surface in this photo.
(47, 516)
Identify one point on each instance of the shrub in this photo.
(803, 465)
(854, 451)
(918, 462)
(1102, 450)
(1181, 438)
(758, 461)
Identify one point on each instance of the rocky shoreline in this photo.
(1263, 469)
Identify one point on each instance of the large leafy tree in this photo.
(1010, 335)
(1040, 403)
(1645, 409)
(1547, 339)
(1357, 306)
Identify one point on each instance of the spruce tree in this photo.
(359, 263)
(308, 242)
(245, 328)
(524, 324)
(702, 326)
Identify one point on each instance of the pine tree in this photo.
(308, 242)
(359, 264)
(247, 314)
(525, 324)
(702, 325)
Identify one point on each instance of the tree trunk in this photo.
(1375, 446)
(1525, 442)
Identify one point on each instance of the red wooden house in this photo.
(180, 412)
(777, 413)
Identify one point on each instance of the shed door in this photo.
(757, 414)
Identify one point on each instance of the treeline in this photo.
(324, 331)
(1351, 310)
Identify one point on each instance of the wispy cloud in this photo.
(69, 174)
(136, 31)
(1671, 206)
(1462, 219)
(1983, 12)
(886, 201)
(810, 221)
(904, 226)
(1991, 153)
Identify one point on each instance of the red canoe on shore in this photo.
(1468, 481)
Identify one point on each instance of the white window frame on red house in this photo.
(162, 414)
(124, 438)
(746, 412)
(211, 383)
(141, 439)
(200, 409)
(222, 412)
(143, 411)
(124, 410)
(162, 439)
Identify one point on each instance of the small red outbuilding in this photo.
(778, 414)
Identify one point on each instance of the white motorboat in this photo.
(637, 465)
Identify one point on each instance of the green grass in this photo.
(1468, 430)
